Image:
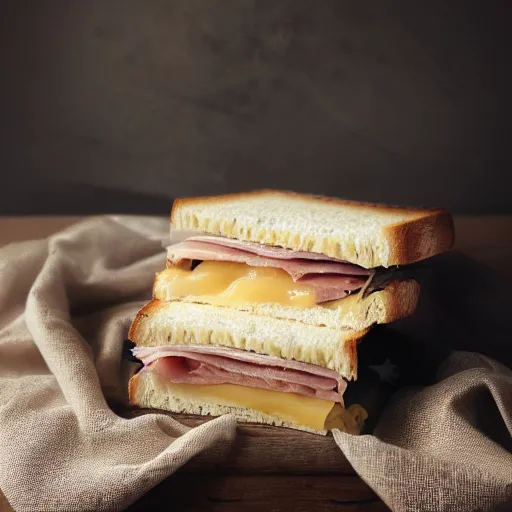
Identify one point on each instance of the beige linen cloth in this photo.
(65, 307)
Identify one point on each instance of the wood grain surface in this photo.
(267, 468)
(258, 493)
(264, 450)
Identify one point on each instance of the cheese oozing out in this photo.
(228, 284)
(235, 284)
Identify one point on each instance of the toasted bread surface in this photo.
(163, 323)
(369, 235)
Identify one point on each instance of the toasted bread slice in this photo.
(149, 390)
(365, 234)
(165, 323)
(397, 300)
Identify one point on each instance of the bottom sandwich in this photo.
(201, 359)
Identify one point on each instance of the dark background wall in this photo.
(118, 105)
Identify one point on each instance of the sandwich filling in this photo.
(298, 393)
(207, 365)
(226, 272)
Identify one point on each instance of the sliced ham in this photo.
(207, 365)
(271, 252)
(332, 287)
(330, 280)
(183, 253)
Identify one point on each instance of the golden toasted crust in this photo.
(415, 241)
(400, 299)
(420, 233)
(311, 198)
(155, 306)
(132, 389)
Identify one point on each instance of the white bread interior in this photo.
(164, 323)
(364, 234)
(398, 300)
(148, 390)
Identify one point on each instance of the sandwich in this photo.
(263, 301)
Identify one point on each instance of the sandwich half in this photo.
(264, 299)
(202, 359)
(314, 260)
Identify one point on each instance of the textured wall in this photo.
(392, 101)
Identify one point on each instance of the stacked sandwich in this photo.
(265, 298)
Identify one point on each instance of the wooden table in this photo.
(267, 468)
(270, 468)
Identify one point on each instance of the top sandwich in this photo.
(311, 259)
(364, 234)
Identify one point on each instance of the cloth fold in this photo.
(429, 451)
(65, 307)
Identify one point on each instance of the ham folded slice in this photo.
(183, 253)
(207, 365)
(269, 251)
(332, 287)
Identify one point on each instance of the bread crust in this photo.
(312, 198)
(410, 242)
(400, 299)
(424, 233)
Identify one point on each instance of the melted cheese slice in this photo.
(229, 284)
(299, 410)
